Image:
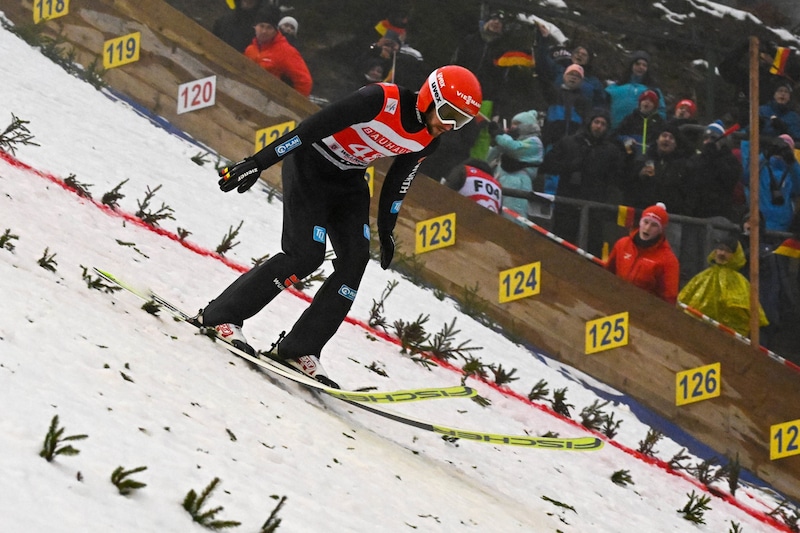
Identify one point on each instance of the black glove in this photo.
(779, 126)
(240, 176)
(493, 128)
(387, 249)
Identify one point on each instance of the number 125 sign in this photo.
(197, 94)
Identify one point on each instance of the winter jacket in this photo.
(783, 113)
(517, 160)
(785, 180)
(654, 268)
(283, 60)
(643, 130)
(564, 117)
(589, 168)
(712, 176)
(722, 293)
(669, 185)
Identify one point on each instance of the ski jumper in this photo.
(325, 195)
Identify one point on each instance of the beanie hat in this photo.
(640, 54)
(787, 139)
(782, 82)
(574, 68)
(715, 130)
(687, 103)
(599, 112)
(649, 94)
(269, 14)
(291, 21)
(657, 213)
(728, 240)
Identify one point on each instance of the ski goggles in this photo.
(452, 116)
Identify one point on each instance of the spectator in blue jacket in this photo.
(516, 154)
(779, 181)
(777, 117)
(625, 93)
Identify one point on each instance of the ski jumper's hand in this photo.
(240, 176)
(387, 249)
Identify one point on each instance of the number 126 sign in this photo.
(197, 94)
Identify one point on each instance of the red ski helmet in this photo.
(455, 92)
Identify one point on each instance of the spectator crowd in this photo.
(551, 124)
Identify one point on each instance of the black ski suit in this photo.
(325, 194)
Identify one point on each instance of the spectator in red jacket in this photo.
(645, 258)
(272, 51)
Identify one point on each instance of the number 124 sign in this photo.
(197, 94)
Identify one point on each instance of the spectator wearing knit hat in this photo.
(588, 166)
(645, 258)
(642, 126)
(289, 27)
(713, 174)
(551, 68)
(273, 53)
(684, 117)
(515, 155)
(566, 115)
(624, 94)
(661, 174)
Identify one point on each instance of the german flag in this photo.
(515, 58)
(384, 25)
(789, 248)
(779, 61)
(625, 216)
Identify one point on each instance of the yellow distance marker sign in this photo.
(269, 134)
(49, 9)
(698, 384)
(369, 175)
(435, 233)
(784, 439)
(520, 282)
(606, 333)
(122, 50)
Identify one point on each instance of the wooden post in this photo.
(755, 150)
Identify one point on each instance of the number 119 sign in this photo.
(197, 94)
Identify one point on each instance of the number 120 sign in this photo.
(197, 94)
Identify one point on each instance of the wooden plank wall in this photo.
(757, 392)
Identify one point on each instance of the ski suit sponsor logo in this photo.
(287, 146)
(407, 182)
(319, 234)
(366, 231)
(288, 282)
(391, 106)
(383, 141)
(396, 207)
(347, 292)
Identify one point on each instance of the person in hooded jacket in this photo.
(641, 127)
(721, 292)
(624, 94)
(236, 27)
(645, 258)
(589, 165)
(516, 154)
